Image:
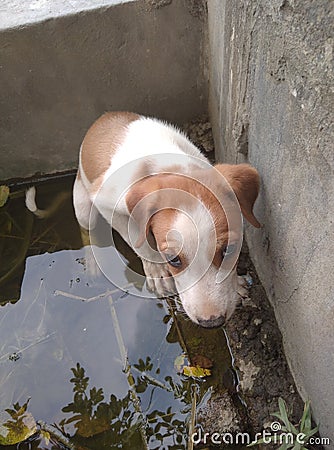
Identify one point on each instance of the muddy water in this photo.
(102, 368)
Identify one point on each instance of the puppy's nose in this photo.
(212, 322)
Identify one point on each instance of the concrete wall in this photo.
(271, 103)
(65, 63)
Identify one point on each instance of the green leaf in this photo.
(4, 194)
(294, 429)
(284, 414)
(285, 446)
(297, 446)
(305, 416)
(302, 420)
(46, 436)
(21, 426)
(288, 429)
(277, 414)
(196, 372)
(96, 395)
(311, 433)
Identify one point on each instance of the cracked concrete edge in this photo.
(22, 13)
(271, 104)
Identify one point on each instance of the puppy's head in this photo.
(195, 221)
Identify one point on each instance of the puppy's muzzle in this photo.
(213, 322)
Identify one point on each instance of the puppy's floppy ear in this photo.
(245, 182)
(142, 201)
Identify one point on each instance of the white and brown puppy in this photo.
(184, 220)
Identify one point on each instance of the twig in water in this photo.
(127, 371)
(192, 419)
(153, 380)
(77, 297)
(90, 299)
(38, 341)
(172, 312)
(58, 436)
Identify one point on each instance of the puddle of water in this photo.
(97, 364)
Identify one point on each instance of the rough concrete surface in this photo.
(58, 75)
(271, 103)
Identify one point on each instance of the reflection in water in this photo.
(121, 422)
(17, 425)
(125, 391)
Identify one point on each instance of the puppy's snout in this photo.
(213, 322)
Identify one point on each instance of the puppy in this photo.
(181, 215)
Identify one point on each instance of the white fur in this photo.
(201, 297)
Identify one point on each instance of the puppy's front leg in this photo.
(92, 269)
(86, 215)
(158, 278)
(242, 287)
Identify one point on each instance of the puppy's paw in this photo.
(242, 288)
(159, 279)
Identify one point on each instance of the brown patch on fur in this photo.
(101, 142)
(161, 224)
(155, 190)
(203, 185)
(217, 259)
(97, 183)
(245, 182)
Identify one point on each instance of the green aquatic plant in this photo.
(17, 426)
(4, 194)
(291, 436)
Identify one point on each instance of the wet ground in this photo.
(87, 365)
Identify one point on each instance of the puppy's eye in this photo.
(174, 261)
(228, 250)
